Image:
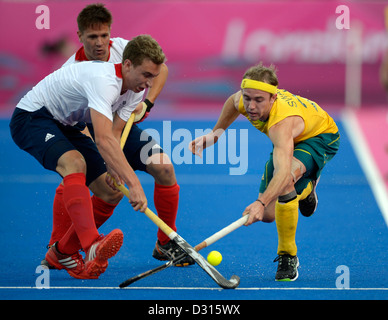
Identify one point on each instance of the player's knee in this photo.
(71, 162)
(109, 196)
(165, 174)
(79, 164)
(112, 197)
(287, 197)
(162, 170)
(297, 169)
(103, 191)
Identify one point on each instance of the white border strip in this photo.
(366, 160)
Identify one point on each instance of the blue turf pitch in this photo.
(347, 230)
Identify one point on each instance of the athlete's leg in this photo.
(166, 191)
(72, 166)
(61, 219)
(104, 200)
(298, 169)
(160, 167)
(143, 153)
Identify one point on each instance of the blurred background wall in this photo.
(209, 45)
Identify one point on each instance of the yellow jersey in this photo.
(316, 120)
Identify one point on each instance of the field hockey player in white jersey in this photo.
(45, 124)
(94, 29)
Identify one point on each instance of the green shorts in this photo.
(314, 153)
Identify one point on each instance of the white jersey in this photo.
(116, 49)
(69, 92)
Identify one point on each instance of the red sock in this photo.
(61, 219)
(102, 210)
(166, 200)
(79, 206)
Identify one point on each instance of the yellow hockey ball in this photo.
(214, 258)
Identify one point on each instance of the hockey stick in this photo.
(215, 237)
(186, 247)
(210, 270)
(126, 130)
(222, 233)
(143, 275)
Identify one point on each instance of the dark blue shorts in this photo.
(46, 139)
(139, 146)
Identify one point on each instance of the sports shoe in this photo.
(287, 268)
(171, 251)
(73, 264)
(308, 205)
(104, 248)
(44, 262)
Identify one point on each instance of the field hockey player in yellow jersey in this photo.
(304, 139)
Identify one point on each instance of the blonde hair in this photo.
(143, 47)
(261, 73)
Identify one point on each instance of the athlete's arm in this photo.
(282, 136)
(109, 148)
(118, 126)
(228, 114)
(117, 129)
(283, 147)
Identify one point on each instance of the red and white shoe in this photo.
(104, 248)
(73, 264)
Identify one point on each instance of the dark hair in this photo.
(143, 47)
(92, 15)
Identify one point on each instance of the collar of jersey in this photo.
(118, 70)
